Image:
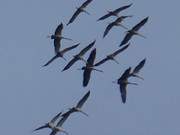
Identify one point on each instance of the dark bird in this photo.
(50, 124)
(123, 82)
(57, 36)
(79, 105)
(111, 56)
(137, 69)
(61, 54)
(79, 56)
(117, 22)
(134, 31)
(58, 127)
(114, 12)
(89, 67)
(79, 10)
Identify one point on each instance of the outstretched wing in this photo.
(120, 50)
(127, 37)
(69, 48)
(116, 11)
(140, 24)
(62, 120)
(125, 75)
(104, 17)
(71, 62)
(59, 29)
(83, 100)
(53, 132)
(51, 60)
(42, 127)
(78, 11)
(101, 62)
(56, 117)
(83, 51)
(139, 67)
(85, 3)
(108, 28)
(92, 56)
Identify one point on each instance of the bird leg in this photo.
(85, 11)
(83, 113)
(65, 132)
(137, 76)
(115, 60)
(122, 26)
(63, 58)
(132, 83)
(67, 38)
(140, 35)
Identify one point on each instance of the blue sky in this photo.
(31, 95)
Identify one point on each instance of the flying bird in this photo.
(79, 105)
(61, 54)
(134, 31)
(79, 10)
(58, 127)
(79, 56)
(123, 82)
(89, 67)
(137, 69)
(117, 22)
(50, 124)
(111, 56)
(114, 12)
(57, 36)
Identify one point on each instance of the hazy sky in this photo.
(31, 95)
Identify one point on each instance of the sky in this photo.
(30, 95)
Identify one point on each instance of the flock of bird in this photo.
(56, 125)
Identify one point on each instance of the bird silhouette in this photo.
(134, 31)
(79, 10)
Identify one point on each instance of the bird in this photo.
(79, 10)
(79, 56)
(57, 37)
(50, 124)
(79, 105)
(89, 67)
(134, 31)
(61, 54)
(111, 56)
(117, 22)
(123, 82)
(114, 12)
(58, 127)
(137, 69)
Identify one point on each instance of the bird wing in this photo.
(59, 29)
(51, 60)
(119, 50)
(123, 91)
(108, 28)
(85, 3)
(83, 100)
(140, 24)
(62, 120)
(83, 51)
(105, 16)
(101, 62)
(57, 45)
(53, 132)
(116, 11)
(69, 48)
(56, 117)
(71, 62)
(92, 56)
(86, 76)
(139, 66)
(127, 37)
(125, 75)
(42, 127)
(78, 11)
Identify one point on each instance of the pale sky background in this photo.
(31, 95)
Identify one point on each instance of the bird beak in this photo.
(132, 83)
(67, 38)
(98, 70)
